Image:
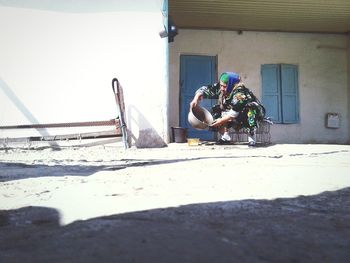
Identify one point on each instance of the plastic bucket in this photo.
(179, 134)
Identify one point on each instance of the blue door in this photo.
(195, 71)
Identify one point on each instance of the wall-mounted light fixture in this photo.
(170, 31)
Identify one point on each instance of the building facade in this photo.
(321, 62)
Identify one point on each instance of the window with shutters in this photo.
(280, 92)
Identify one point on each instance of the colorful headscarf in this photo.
(230, 78)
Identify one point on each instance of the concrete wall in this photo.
(322, 60)
(57, 63)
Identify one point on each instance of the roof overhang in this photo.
(315, 16)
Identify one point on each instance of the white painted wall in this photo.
(323, 74)
(57, 65)
(348, 88)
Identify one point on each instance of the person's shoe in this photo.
(226, 137)
(251, 140)
(223, 141)
(252, 144)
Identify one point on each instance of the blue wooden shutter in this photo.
(271, 91)
(289, 88)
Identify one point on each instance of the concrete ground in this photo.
(281, 203)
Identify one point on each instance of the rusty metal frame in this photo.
(119, 98)
(62, 125)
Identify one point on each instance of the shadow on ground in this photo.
(302, 229)
(15, 170)
(10, 170)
